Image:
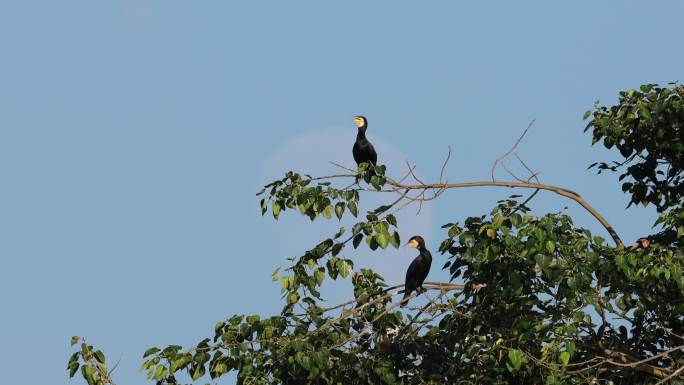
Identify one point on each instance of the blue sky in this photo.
(134, 134)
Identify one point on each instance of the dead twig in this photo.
(558, 190)
(510, 150)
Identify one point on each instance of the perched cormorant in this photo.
(418, 270)
(363, 149)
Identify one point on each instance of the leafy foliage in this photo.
(92, 363)
(647, 128)
(533, 299)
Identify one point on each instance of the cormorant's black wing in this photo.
(412, 273)
(373, 156)
(424, 269)
(363, 151)
(411, 283)
(356, 151)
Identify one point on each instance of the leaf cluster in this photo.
(647, 129)
(92, 362)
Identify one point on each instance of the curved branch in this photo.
(558, 190)
(441, 187)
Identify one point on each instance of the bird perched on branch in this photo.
(363, 150)
(418, 270)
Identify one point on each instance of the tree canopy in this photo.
(532, 299)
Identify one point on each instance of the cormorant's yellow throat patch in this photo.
(412, 244)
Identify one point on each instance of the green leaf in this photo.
(677, 277)
(550, 246)
(382, 239)
(150, 351)
(292, 298)
(394, 240)
(339, 209)
(357, 240)
(88, 371)
(392, 220)
(344, 268)
(516, 220)
(74, 340)
(198, 372)
(99, 356)
(564, 358)
(353, 209)
(587, 114)
(371, 242)
(515, 358)
(327, 212)
(336, 248)
(73, 368)
(454, 231)
(571, 345)
(276, 209)
(320, 276)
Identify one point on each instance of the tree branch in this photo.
(558, 190)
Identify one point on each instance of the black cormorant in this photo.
(363, 149)
(418, 270)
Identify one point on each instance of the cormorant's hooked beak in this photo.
(413, 244)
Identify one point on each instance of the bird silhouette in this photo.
(418, 270)
(363, 150)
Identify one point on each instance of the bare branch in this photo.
(115, 365)
(446, 161)
(533, 175)
(441, 187)
(411, 169)
(343, 167)
(510, 150)
(510, 172)
(558, 190)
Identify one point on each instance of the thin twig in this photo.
(533, 175)
(510, 150)
(446, 161)
(342, 167)
(116, 365)
(503, 164)
(671, 376)
(422, 310)
(412, 173)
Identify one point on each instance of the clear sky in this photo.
(134, 134)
